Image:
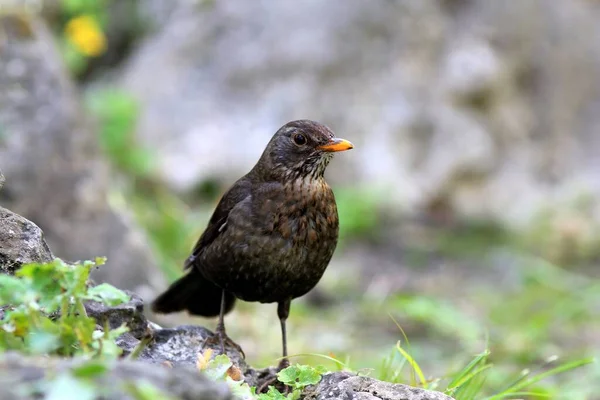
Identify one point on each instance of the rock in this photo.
(182, 345)
(2, 179)
(346, 386)
(56, 174)
(130, 314)
(464, 103)
(22, 376)
(21, 242)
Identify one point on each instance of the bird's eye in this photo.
(300, 139)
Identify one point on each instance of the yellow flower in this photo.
(85, 34)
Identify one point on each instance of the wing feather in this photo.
(218, 222)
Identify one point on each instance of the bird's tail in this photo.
(195, 294)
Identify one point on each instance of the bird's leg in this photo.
(220, 333)
(283, 311)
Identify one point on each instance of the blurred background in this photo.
(470, 206)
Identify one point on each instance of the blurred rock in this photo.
(20, 374)
(130, 314)
(488, 108)
(21, 242)
(342, 386)
(55, 173)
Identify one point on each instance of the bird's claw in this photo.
(222, 340)
(272, 380)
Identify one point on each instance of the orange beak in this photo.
(336, 144)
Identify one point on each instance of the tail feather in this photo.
(195, 294)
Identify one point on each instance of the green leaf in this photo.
(299, 376)
(272, 394)
(217, 367)
(107, 294)
(289, 375)
(12, 289)
(42, 342)
(308, 376)
(321, 369)
(99, 261)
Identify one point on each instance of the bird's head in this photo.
(301, 149)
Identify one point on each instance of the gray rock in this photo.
(56, 175)
(490, 107)
(345, 386)
(21, 377)
(182, 345)
(21, 242)
(130, 314)
(179, 346)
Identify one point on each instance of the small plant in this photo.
(297, 377)
(221, 369)
(44, 311)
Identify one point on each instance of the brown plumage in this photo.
(272, 234)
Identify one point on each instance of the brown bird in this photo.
(271, 236)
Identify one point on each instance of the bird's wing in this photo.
(218, 222)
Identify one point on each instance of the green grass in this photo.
(469, 383)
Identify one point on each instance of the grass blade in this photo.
(337, 362)
(414, 365)
(521, 384)
(459, 379)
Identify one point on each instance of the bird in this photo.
(270, 237)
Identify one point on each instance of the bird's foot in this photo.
(221, 340)
(272, 380)
(283, 364)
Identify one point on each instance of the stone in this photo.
(130, 314)
(21, 377)
(182, 345)
(464, 103)
(346, 386)
(21, 242)
(56, 173)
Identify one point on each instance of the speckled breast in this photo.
(288, 246)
